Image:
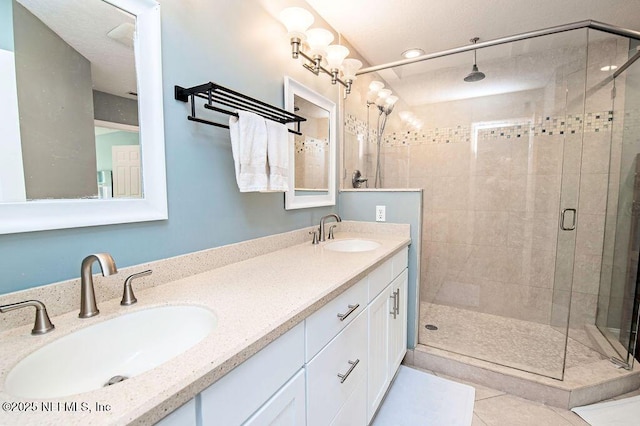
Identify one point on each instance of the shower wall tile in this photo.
(596, 152)
(488, 228)
(572, 153)
(547, 155)
(491, 203)
(490, 193)
(492, 158)
(421, 160)
(451, 193)
(519, 196)
(586, 276)
(539, 269)
(593, 199)
(583, 309)
(590, 234)
(546, 192)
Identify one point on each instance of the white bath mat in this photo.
(420, 399)
(622, 412)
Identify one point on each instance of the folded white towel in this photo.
(249, 146)
(278, 156)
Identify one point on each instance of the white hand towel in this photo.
(278, 156)
(249, 146)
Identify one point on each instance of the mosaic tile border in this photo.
(309, 144)
(591, 122)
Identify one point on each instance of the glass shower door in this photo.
(619, 296)
(497, 268)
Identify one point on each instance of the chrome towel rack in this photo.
(214, 94)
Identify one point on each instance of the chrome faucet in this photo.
(88, 306)
(323, 220)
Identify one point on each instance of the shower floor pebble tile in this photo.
(523, 345)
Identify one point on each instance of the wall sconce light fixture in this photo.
(314, 46)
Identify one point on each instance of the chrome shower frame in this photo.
(595, 25)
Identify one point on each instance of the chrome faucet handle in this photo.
(42, 323)
(128, 298)
(315, 237)
(331, 228)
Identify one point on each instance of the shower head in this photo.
(474, 75)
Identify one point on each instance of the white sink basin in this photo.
(126, 345)
(352, 245)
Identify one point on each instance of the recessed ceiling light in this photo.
(412, 53)
(609, 68)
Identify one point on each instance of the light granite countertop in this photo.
(255, 300)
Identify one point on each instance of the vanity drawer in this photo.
(325, 323)
(236, 396)
(379, 278)
(400, 261)
(327, 393)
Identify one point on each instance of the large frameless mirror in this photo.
(83, 132)
(312, 152)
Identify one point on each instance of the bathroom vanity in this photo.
(304, 333)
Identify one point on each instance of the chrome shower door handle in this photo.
(573, 222)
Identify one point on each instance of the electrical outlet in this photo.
(381, 214)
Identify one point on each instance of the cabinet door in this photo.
(334, 374)
(398, 323)
(378, 380)
(354, 411)
(285, 408)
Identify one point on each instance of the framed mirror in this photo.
(82, 114)
(312, 155)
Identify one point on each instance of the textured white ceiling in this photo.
(382, 30)
(84, 25)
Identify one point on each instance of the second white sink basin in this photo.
(352, 245)
(125, 346)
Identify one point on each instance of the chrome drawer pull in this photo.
(397, 307)
(349, 312)
(394, 311)
(344, 376)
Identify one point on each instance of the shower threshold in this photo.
(588, 377)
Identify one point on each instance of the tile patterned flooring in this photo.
(523, 345)
(495, 408)
(514, 343)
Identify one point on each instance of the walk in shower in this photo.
(529, 238)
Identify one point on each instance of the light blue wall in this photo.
(237, 44)
(6, 25)
(401, 207)
(105, 142)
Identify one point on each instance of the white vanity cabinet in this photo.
(255, 387)
(387, 320)
(334, 368)
(336, 342)
(397, 322)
